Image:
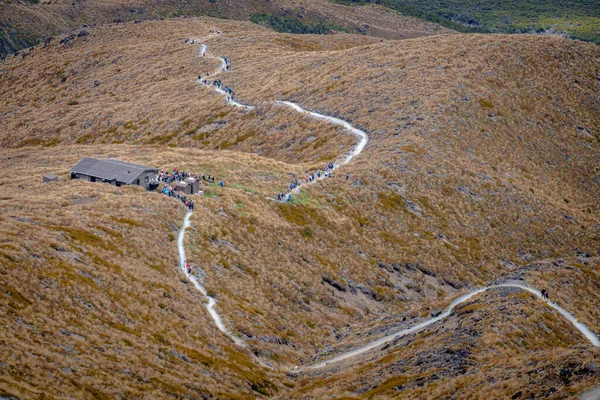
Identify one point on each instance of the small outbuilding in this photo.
(194, 183)
(49, 178)
(184, 187)
(115, 172)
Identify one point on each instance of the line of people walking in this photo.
(296, 183)
(189, 203)
(544, 294)
(175, 175)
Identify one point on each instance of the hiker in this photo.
(347, 176)
(188, 268)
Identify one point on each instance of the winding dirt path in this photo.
(584, 330)
(210, 305)
(362, 142)
(362, 136)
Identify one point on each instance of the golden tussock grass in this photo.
(474, 162)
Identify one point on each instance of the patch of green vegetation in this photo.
(302, 198)
(129, 125)
(84, 139)
(128, 221)
(579, 18)
(161, 139)
(96, 394)
(29, 142)
(242, 187)
(469, 309)
(191, 132)
(391, 201)
(414, 8)
(388, 385)
(51, 142)
(15, 296)
(300, 215)
(200, 136)
(87, 238)
(159, 268)
(100, 261)
(307, 232)
(393, 239)
(12, 40)
(293, 25)
(196, 356)
(160, 339)
(486, 104)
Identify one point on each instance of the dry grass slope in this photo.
(482, 166)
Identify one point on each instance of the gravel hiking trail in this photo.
(210, 306)
(363, 139)
(584, 330)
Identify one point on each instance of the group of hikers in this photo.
(544, 294)
(218, 84)
(284, 197)
(327, 173)
(185, 200)
(169, 177)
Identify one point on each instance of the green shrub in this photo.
(292, 25)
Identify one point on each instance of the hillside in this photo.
(481, 167)
(26, 23)
(578, 19)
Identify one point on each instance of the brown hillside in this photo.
(482, 165)
(23, 23)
